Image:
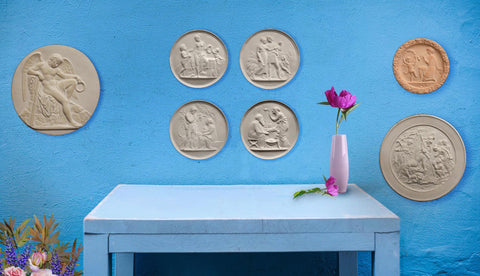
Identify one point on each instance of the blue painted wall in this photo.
(348, 44)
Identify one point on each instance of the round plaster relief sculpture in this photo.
(269, 59)
(198, 130)
(422, 157)
(421, 65)
(55, 89)
(198, 59)
(269, 129)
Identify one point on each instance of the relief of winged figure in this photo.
(48, 88)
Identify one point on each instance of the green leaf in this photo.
(323, 103)
(314, 190)
(23, 225)
(299, 193)
(54, 238)
(23, 239)
(351, 109)
(324, 178)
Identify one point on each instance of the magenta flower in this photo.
(331, 97)
(330, 181)
(332, 188)
(345, 100)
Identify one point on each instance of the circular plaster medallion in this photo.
(269, 129)
(198, 130)
(269, 59)
(422, 157)
(198, 58)
(421, 65)
(55, 89)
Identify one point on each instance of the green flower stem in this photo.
(323, 192)
(338, 123)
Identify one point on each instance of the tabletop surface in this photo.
(218, 208)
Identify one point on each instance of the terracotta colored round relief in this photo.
(421, 65)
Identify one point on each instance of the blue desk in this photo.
(238, 218)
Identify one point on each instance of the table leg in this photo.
(387, 254)
(96, 259)
(347, 263)
(124, 264)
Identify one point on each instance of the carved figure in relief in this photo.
(191, 128)
(258, 132)
(269, 62)
(49, 87)
(422, 158)
(410, 60)
(281, 127)
(200, 62)
(262, 57)
(187, 62)
(429, 71)
(198, 131)
(420, 68)
(207, 134)
(270, 135)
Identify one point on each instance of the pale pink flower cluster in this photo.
(14, 271)
(43, 272)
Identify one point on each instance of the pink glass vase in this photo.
(339, 161)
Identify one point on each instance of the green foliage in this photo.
(19, 234)
(44, 237)
(311, 191)
(47, 239)
(348, 111)
(45, 234)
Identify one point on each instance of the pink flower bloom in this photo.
(330, 181)
(345, 100)
(14, 271)
(331, 97)
(332, 188)
(42, 272)
(37, 260)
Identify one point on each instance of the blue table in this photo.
(238, 218)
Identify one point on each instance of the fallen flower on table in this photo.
(331, 189)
